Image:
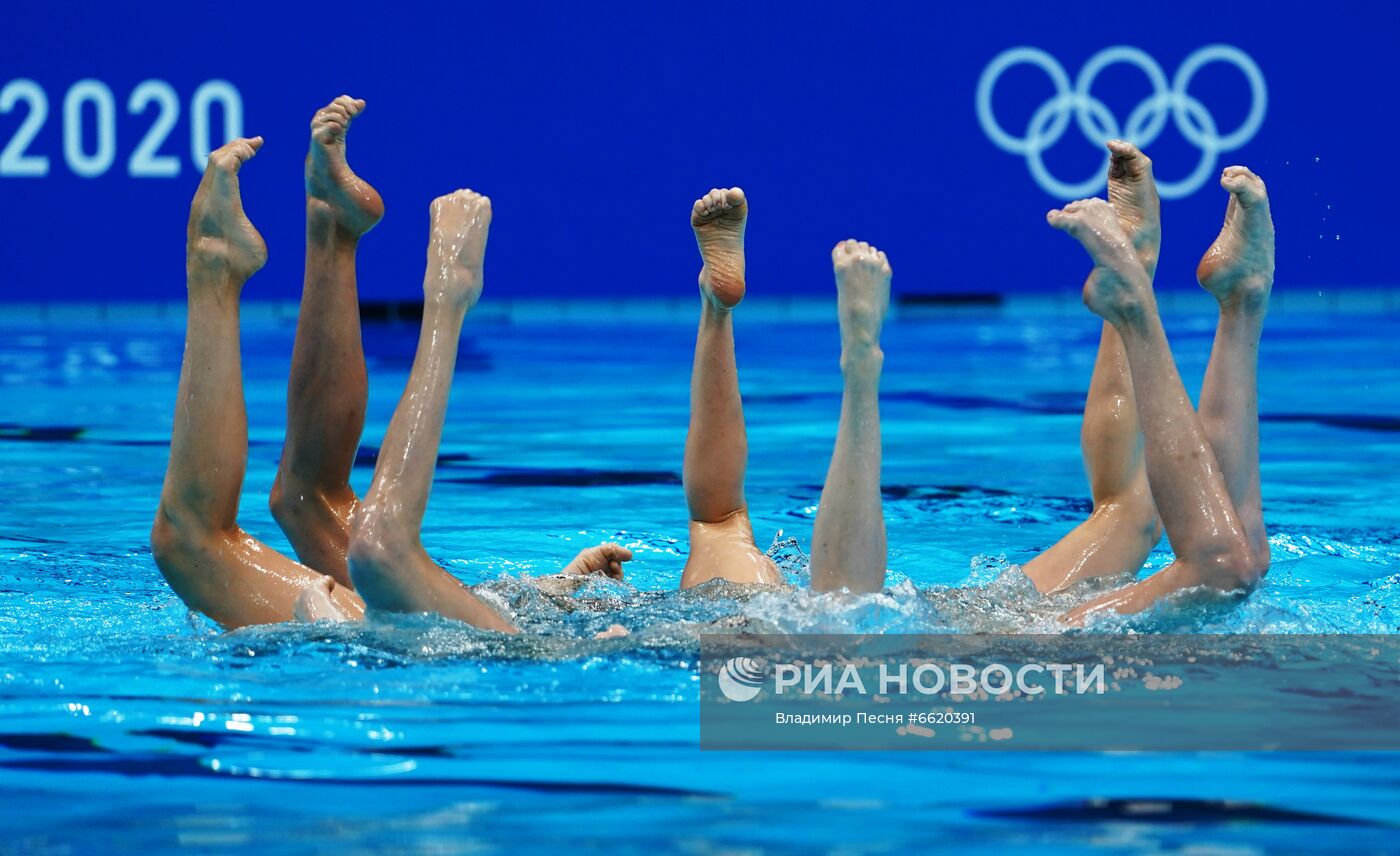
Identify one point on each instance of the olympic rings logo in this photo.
(1145, 123)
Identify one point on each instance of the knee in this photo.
(289, 506)
(365, 551)
(176, 543)
(1255, 565)
(1235, 565)
(310, 516)
(166, 540)
(278, 503)
(376, 544)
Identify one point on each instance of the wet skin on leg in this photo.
(327, 390)
(1124, 526)
(387, 561)
(1238, 270)
(848, 540)
(216, 567)
(1188, 486)
(716, 446)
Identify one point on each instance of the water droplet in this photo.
(1317, 160)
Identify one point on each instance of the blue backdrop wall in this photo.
(593, 126)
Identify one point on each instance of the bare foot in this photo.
(220, 240)
(863, 294)
(605, 559)
(718, 219)
(457, 247)
(614, 631)
(1133, 194)
(1239, 267)
(331, 186)
(1118, 288)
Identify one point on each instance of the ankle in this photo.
(448, 303)
(862, 359)
(712, 312)
(212, 278)
(324, 226)
(1250, 300)
(1133, 314)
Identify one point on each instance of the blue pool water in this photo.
(126, 724)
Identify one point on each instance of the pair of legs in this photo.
(216, 567)
(848, 540)
(355, 553)
(1124, 526)
(1150, 455)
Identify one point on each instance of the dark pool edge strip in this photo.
(1168, 810)
(190, 767)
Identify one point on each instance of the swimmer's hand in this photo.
(315, 603)
(605, 558)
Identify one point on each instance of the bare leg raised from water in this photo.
(216, 567)
(848, 539)
(1238, 270)
(716, 447)
(391, 569)
(326, 392)
(1124, 526)
(1205, 531)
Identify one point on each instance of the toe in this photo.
(1129, 157)
(231, 156)
(1244, 184)
(1243, 173)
